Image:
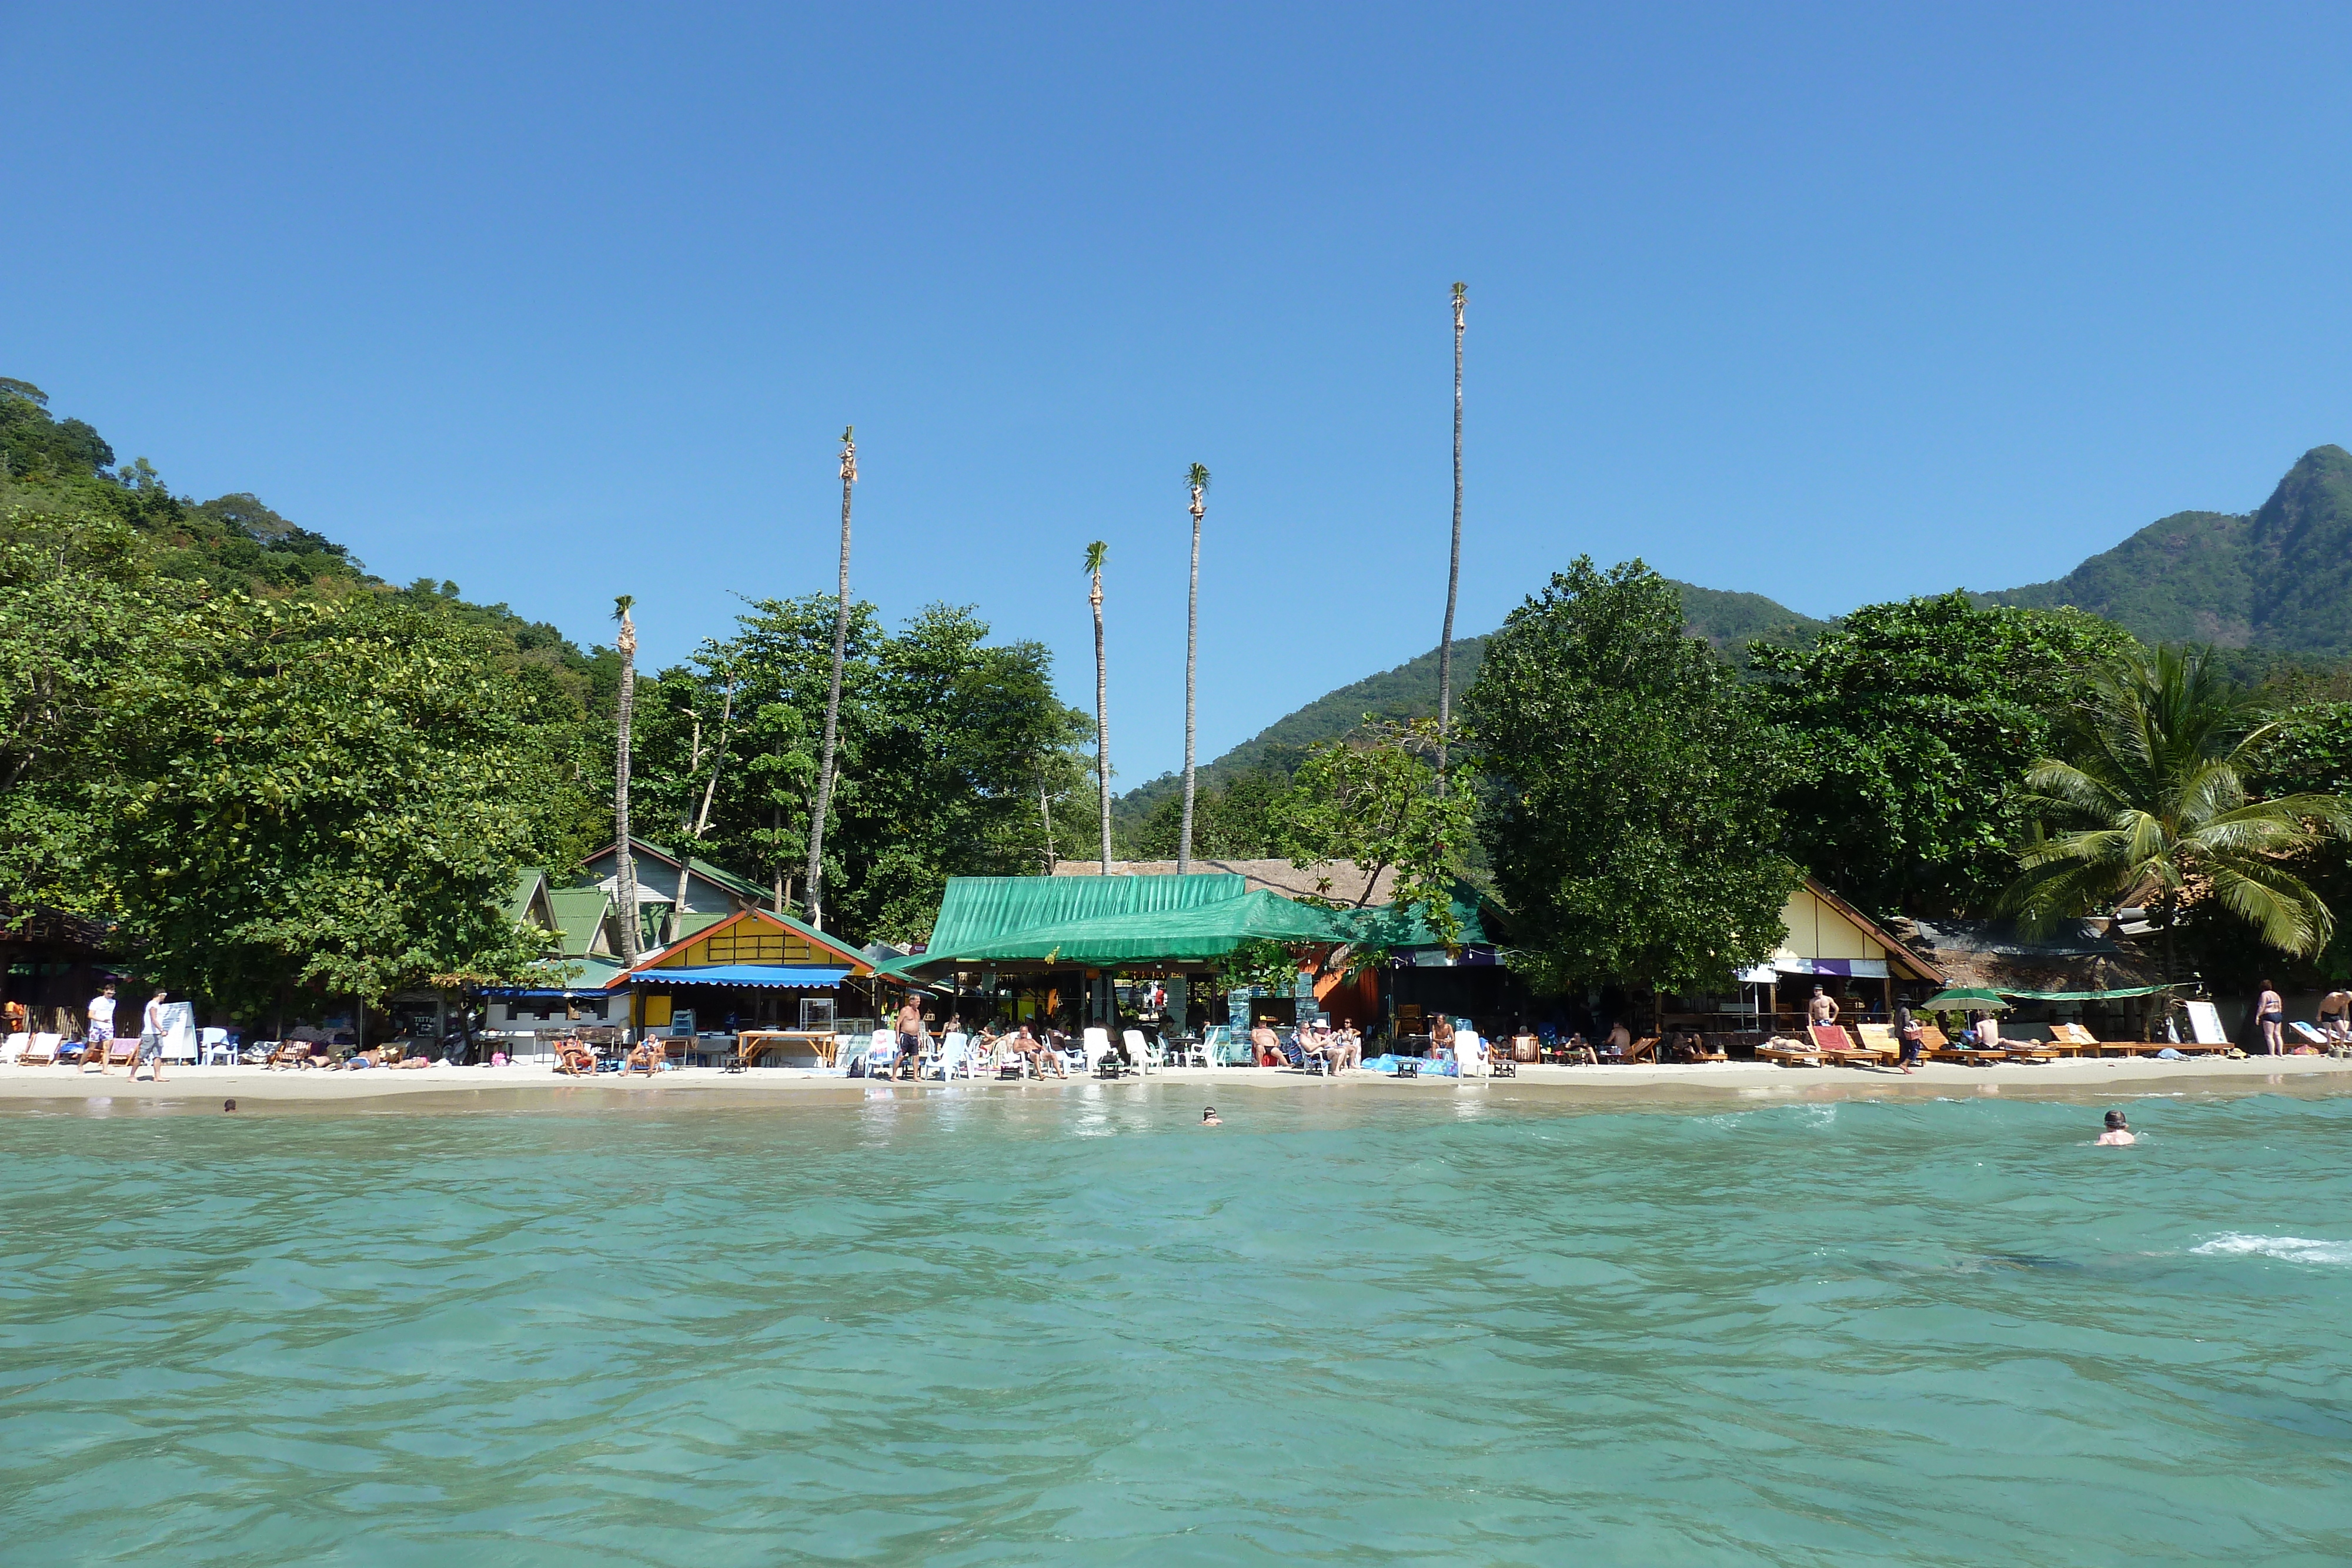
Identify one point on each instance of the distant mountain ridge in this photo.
(1729, 621)
(2275, 581)
(2278, 577)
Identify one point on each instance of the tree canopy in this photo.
(1627, 810)
(1906, 731)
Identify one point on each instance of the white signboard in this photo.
(2205, 1024)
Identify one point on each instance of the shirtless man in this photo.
(2116, 1133)
(2335, 1015)
(1822, 1009)
(910, 1040)
(1265, 1045)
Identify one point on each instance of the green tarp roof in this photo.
(1391, 925)
(979, 910)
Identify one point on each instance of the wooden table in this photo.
(752, 1044)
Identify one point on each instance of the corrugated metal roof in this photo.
(1185, 934)
(979, 910)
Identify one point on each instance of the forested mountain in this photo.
(1729, 621)
(277, 776)
(2277, 579)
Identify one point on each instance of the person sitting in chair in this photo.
(1576, 1049)
(1266, 1046)
(643, 1058)
(1620, 1040)
(573, 1059)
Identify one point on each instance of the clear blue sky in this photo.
(1832, 304)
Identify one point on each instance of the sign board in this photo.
(2205, 1023)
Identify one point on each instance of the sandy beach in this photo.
(461, 1087)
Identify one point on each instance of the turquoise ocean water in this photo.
(1417, 1325)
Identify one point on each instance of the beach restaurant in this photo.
(1056, 947)
(754, 973)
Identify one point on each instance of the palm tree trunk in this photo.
(695, 826)
(833, 697)
(1045, 816)
(1199, 482)
(1454, 569)
(624, 713)
(1102, 717)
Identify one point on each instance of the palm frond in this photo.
(2289, 916)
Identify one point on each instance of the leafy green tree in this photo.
(336, 797)
(1907, 729)
(1239, 819)
(2146, 802)
(1628, 805)
(1378, 800)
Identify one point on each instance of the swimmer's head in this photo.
(2114, 1120)
(1209, 1116)
(228, 1105)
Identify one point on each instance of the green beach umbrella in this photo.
(1965, 998)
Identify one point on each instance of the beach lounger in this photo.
(1836, 1045)
(40, 1049)
(122, 1051)
(1879, 1038)
(1789, 1052)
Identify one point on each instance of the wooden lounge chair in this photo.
(1790, 1053)
(1879, 1038)
(41, 1051)
(1936, 1046)
(122, 1051)
(1834, 1044)
(292, 1053)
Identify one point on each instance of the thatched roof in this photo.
(1342, 881)
(2073, 956)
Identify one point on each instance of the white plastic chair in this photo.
(1139, 1049)
(1470, 1054)
(881, 1052)
(214, 1043)
(1096, 1044)
(954, 1055)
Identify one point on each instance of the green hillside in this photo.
(2276, 580)
(1729, 621)
(57, 474)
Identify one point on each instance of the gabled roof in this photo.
(530, 884)
(835, 951)
(580, 915)
(740, 886)
(1908, 954)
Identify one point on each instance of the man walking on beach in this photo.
(100, 1034)
(910, 1039)
(151, 1040)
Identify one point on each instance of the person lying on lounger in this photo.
(409, 1063)
(360, 1060)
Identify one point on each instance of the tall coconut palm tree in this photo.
(692, 824)
(1454, 569)
(1197, 478)
(624, 713)
(2152, 774)
(824, 771)
(1095, 554)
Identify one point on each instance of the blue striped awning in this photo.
(776, 976)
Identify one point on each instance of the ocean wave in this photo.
(2287, 1248)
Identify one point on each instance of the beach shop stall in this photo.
(779, 990)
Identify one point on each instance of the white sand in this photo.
(465, 1086)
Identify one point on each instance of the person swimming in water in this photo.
(1209, 1117)
(2116, 1133)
